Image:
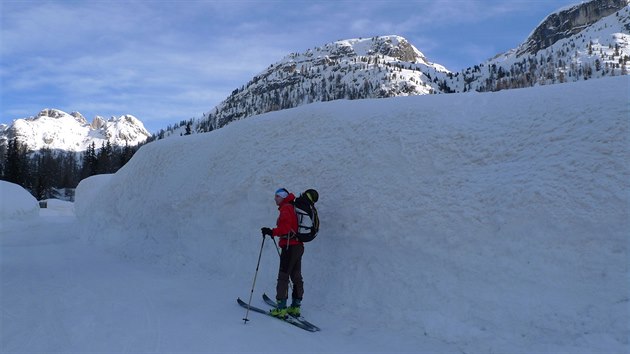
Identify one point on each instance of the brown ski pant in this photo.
(290, 267)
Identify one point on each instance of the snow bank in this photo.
(16, 203)
(495, 221)
(88, 192)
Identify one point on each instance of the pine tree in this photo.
(69, 170)
(16, 166)
(89, 165)
(44, 177)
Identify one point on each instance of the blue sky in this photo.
(164, 60)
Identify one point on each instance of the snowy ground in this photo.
(61, 295)
(455, 223)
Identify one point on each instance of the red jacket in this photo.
(287, 223)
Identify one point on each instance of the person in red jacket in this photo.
(290, 258)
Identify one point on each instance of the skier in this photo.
(290, 258)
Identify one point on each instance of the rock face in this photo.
(568, 22)
(97, 122)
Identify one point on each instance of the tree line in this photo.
(45, 172)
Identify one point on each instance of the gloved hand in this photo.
(266, 231)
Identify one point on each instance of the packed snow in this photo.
(477, 223)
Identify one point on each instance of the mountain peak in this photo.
(51, 113)
(393, 46)
(97, 122)
(79, 117)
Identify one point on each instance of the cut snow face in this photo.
(16, 203)
(489, 220)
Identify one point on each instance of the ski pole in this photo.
(275, 244)
(251, 294)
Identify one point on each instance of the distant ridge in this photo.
(58, 130)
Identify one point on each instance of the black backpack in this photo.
(308, 221)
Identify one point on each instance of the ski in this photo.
(272, 303)
(289, 319)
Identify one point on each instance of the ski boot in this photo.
(281, 309)
(294, 309)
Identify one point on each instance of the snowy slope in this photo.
(484, 222)
(57, 130)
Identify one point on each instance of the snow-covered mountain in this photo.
(580, 42)
(377, 67)
(568, 21)
(57, 130)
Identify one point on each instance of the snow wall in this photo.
(496, 218)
